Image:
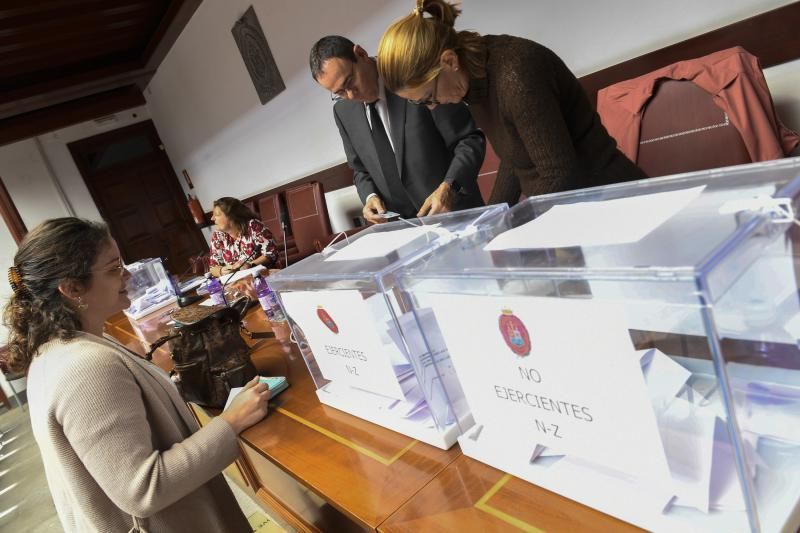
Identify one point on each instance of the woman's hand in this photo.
(249, 406)
(245, 286)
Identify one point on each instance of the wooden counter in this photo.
(316, 467)
(319, 469)
(472, 496)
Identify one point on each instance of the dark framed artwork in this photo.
(257, 56)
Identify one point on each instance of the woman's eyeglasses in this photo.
(430, 100)
(118, 269)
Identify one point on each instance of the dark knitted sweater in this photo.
(541, 123)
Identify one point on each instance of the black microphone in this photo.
(255, 253)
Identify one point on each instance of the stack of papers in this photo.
(236, 276)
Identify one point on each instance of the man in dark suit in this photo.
(405, 157)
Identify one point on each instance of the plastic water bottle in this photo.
(268, 300)
(277, 310)
(262, 291)
(214, 288)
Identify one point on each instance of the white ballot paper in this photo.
(619, 221)
(341, 330)
(558, 373)
(236, 276)
(380, 244)
(664, 377)
(688, 436)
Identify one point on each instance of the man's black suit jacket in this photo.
(430, 147)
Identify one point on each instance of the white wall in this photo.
(208, 113)
(590, 36)
(783, 81)
(42, 177)
(212, 123)
(29, 181)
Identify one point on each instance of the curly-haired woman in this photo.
(120, 447)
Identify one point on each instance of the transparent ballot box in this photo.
(149, 288)
(356, 333)
(633, 347)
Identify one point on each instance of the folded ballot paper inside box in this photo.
(149, 288)
(276, 384)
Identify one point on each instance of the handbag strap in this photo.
(256, 334)
(158, 343)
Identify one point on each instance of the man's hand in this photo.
(373, 208)
(440, 201)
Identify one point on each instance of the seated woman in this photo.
(238, 233)
(120, 448)
(530, 106)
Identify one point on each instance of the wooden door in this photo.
(138, 195)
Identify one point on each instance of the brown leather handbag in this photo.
(209, 353)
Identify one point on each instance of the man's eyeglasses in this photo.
(430, 100)
(347, 86)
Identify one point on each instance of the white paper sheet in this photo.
(792, 327)
(380, 244)
(231, 395)
(664, 377)
(236, 276)
(726, 491)
(340, 327)
(437, 377)
(589, 398)
(688, 436)
(619, 221)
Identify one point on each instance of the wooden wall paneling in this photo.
(772, 36)
(11, 215)
(308, 215)
(251, 205)
(269, 210)
(331, 179)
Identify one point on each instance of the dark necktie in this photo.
(388, 162)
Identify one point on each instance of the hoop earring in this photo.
(81, 305)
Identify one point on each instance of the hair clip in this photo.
(15, 280)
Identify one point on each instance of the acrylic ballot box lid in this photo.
(634, 347)
(382, 249)
(359, 339)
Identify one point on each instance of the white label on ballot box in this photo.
(341, 329)
(556, 372)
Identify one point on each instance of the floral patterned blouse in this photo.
(225, 250)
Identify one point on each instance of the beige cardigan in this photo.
(118, 441)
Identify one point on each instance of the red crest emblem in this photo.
(327, 320)
(514, 333)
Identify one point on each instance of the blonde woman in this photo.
(530, 106)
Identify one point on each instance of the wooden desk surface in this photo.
(379, 479)
(364, 471)
(471, 496)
